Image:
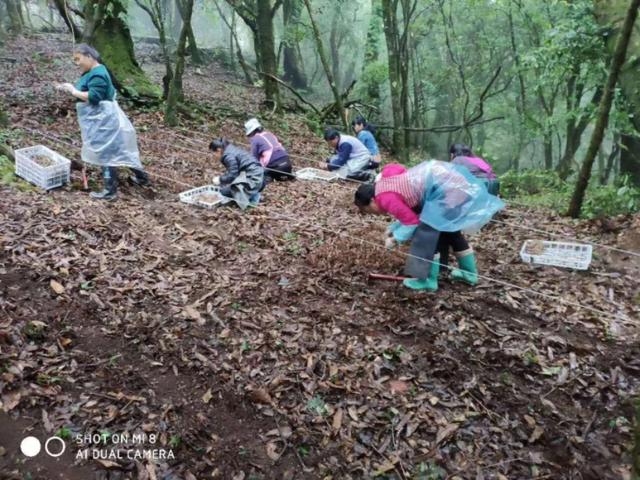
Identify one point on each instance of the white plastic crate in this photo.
(192, 196)
(559, 254)
(53, 176)
(316, 174)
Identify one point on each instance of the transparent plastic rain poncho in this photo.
(449, 197)
(108, 137)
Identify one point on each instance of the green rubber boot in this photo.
(468, 272)
(430, 284)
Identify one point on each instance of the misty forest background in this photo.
(522, 82)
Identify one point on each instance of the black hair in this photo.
(218, 143)
(460, 150)
(331, 134)
(360, 120)
(364, 195)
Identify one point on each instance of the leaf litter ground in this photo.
(251, 343)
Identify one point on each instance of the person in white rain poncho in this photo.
(108, 137)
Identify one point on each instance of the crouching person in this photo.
(351, 160)
(244, 178)
(432, 203)
(267, 149)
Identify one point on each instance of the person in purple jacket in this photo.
(460, 154)
(266, 148)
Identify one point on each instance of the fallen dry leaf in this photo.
(56, 287)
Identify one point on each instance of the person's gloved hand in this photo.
(216, 180)
(392, 228)
(390, 243)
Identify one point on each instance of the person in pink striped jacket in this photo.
(266, 148)
(432, 203)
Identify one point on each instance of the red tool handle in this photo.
(382, 276)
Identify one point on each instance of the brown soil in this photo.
(43, 160)
(253, 346)
(209, 198)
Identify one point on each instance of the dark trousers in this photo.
(280, 170)
(454, 240)
(110, 176)
(425, 243)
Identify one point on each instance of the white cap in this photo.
(251, 126)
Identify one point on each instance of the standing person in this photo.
(365, 133)
(266, 148)
(460, 154)
(108, 137)
(448, 198)
(352, 157)
(244, 178)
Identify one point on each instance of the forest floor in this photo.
(251, 343)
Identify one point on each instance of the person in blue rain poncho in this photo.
(432, 202)
(108, 137)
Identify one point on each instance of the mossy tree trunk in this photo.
(175, 88)
(14, 12)
(267, 42)
(107, 31)
(259, 18)
(617, 61)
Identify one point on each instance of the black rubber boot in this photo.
(140, 178)
(110, 191)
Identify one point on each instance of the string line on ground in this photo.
(409, 255)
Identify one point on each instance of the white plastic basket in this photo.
(559, 254)
(316, 174)
(192, 196)
(53, 176)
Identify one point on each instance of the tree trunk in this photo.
(196, 57)
(64, 12)
(575, 130)
(106, 30)
(175, 88)
(372, 49)
(630, 158)
(547, 139)
(335, 49)
(603, 111)
(156, 12)
(615, 150)
(16, 24)
(610, 13)
(292, 60)
(398, 59)
(266, 44)
(327, 68)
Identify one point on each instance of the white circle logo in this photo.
(46, 446)
(30, 446)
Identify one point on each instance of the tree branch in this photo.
(441, 128)
(288, 87)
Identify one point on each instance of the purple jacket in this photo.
(266, 148)
(477, 166)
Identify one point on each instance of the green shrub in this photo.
(539, 188)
